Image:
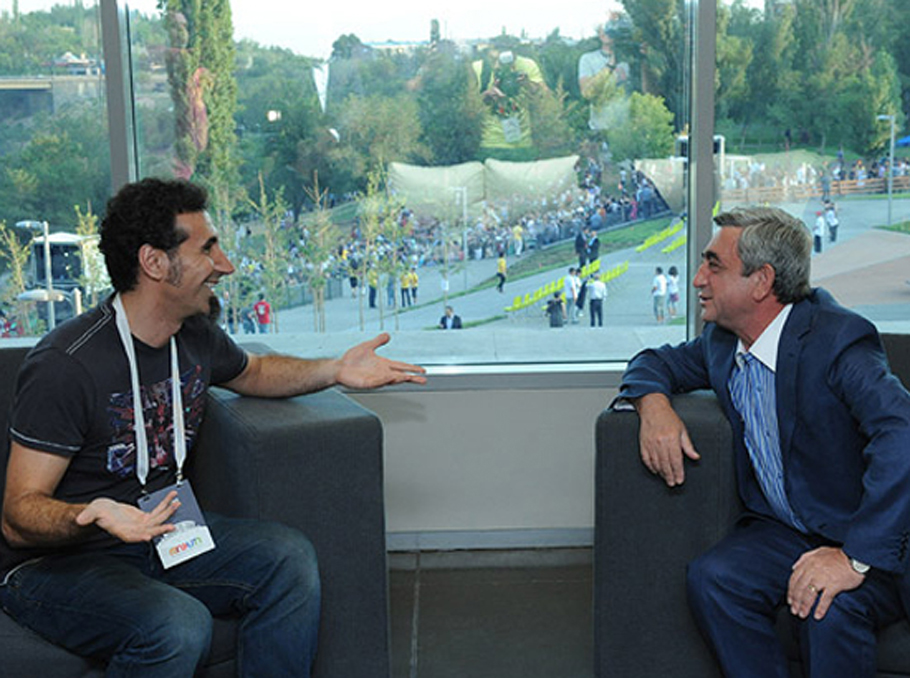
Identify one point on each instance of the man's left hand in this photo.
(361, 368)
(818, 576)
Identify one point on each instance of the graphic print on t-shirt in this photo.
(157, 405)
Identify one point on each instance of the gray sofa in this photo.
(313, 462)
(646, 533)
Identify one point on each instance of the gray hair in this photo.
(775, 237)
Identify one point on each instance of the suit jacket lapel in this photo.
(788, 359)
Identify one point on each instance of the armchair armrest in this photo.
(646, 533)
(315, 463)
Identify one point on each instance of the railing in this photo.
(797, 192)
(530, 299)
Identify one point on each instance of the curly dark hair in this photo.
(142, 213)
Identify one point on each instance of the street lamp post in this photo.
(48, 296)
(48, 279)
(461, 193)
(890, 164)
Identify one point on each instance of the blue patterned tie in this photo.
(752, 391)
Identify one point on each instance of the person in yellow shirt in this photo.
(405, 289)
(506, 128)
(518, 241)
(501, 269)
(414, 282)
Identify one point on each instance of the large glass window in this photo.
(55, 171)
(370, 168)
(811, 118)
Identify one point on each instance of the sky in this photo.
(310, 28)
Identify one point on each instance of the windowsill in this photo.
(520, 377)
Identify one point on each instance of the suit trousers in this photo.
(735, 591)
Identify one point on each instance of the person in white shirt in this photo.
(571, 285)
(597, 292)
(818, 231)
(659, 294)
(672, 292)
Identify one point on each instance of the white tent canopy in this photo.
(455, 190)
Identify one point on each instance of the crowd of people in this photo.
(507, 227)
(757, 174)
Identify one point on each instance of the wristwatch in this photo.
(859, 567)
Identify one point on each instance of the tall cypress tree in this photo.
(201, 61)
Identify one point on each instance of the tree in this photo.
(382, 129)
(64, 163)
(898, 12)
(346, 46)
(648, 132)
(551, 128)
(734, 56)
(321, 238)
(772, 78)
(94, 276)
(275, 254)
(450, 109)
(660, 27)
(200, 63)
(559, 62)
(285, 134)
(873, 92)
(381, 228)
(15, 252)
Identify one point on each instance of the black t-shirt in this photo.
(73, 398)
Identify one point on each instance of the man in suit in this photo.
(822, 455)
(450, 321)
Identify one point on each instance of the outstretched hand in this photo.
(129, 523)
(360, 367)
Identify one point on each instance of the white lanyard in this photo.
(142, 445)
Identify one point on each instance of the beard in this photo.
(214, 314)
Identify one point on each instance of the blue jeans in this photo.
(123, 607)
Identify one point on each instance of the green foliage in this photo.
(14, 253)
(382, 234)
(94, 276)
(660, 26)
(551, 127)
(449, 108)
(274, 256)
(200, 63)
(382, 130)
(823, 69)
(734, 56)
(285, 151)
(319, 244)
(647, 132)
(64, 162)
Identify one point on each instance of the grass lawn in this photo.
(902, 227)
(563, 254)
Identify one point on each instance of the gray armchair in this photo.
(646, 533)
(313, 462)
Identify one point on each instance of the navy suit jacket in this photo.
(844, 424)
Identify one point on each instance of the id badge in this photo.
(511, 129)
(192, 536)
